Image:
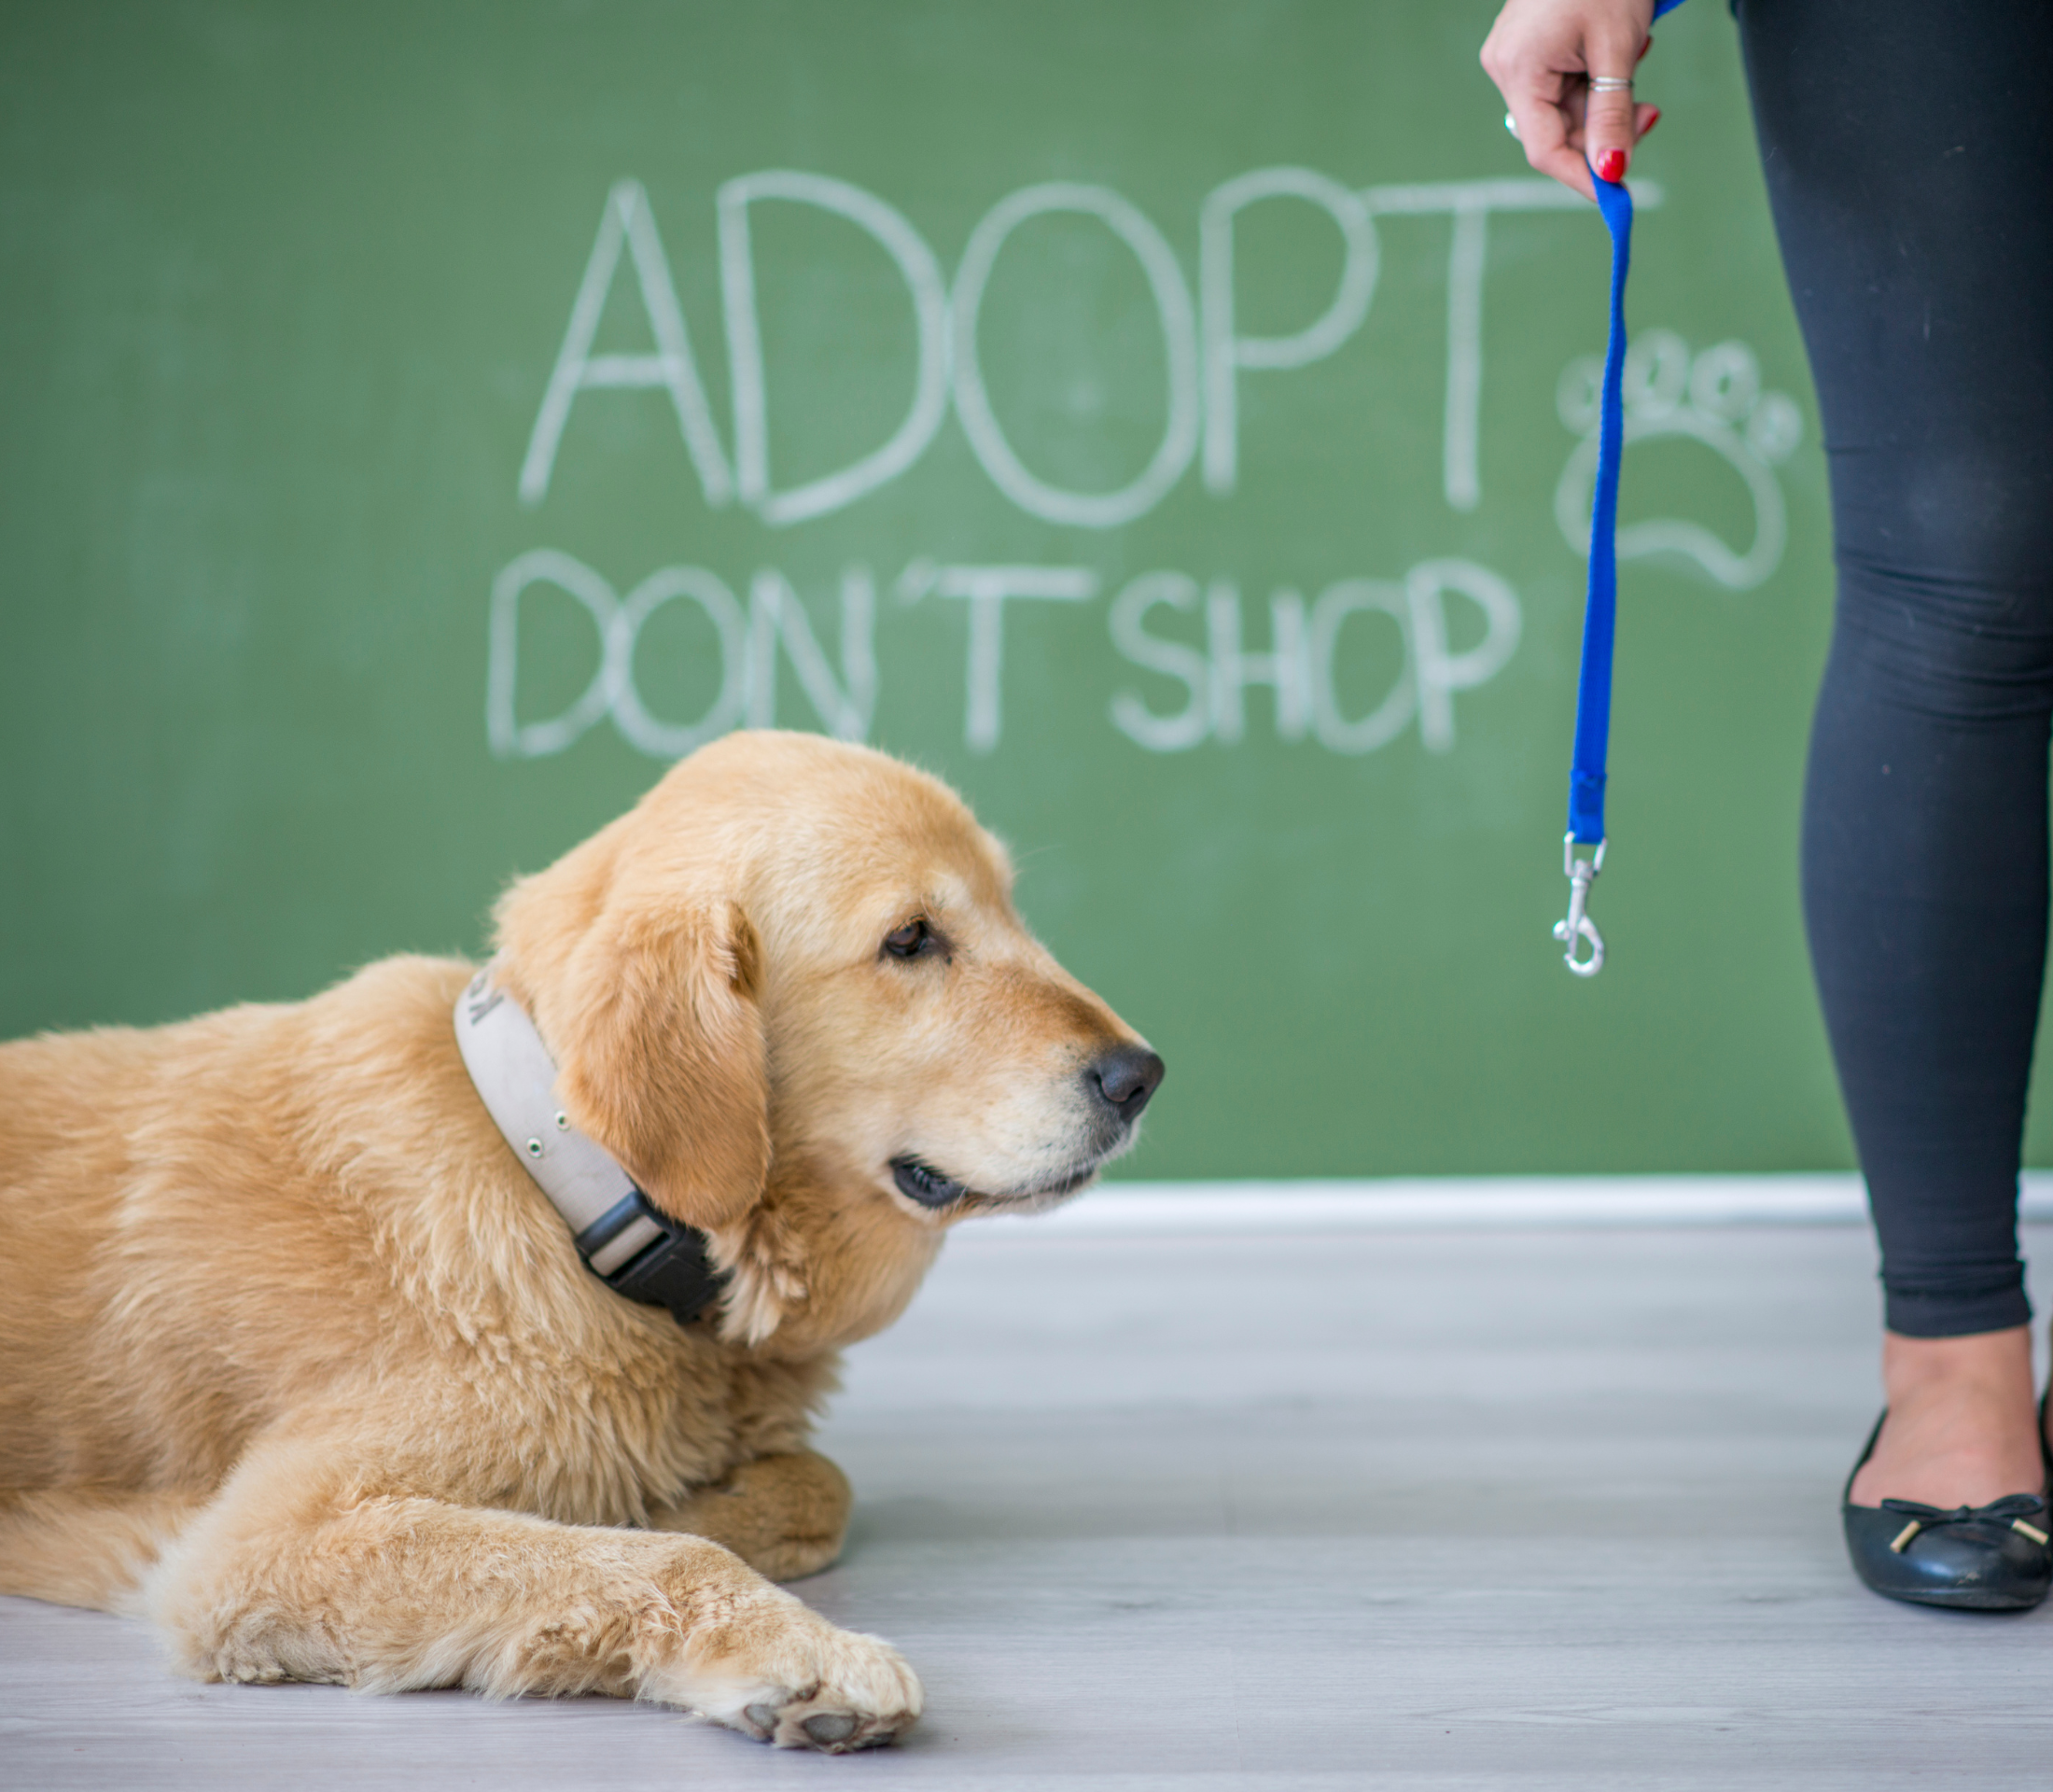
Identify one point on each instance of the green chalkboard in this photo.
(1166, 420)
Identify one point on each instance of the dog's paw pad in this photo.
(835, 1730)
(803, 1684)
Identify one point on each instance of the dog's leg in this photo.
(75, 1547)
(784, 1516)
(295, 1575)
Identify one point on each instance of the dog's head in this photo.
(788, 991)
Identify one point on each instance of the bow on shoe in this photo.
(2013, 1510)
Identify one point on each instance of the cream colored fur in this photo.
(296, 1360)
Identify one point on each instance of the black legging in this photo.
(1908, 147)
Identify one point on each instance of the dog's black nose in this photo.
(1126, 1078)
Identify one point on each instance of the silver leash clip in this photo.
(1582, 873)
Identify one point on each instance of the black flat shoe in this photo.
(1992, 1558)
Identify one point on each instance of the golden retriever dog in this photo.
(297, 1358)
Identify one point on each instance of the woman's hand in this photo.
(1542, 54)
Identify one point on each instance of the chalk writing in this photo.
(1714, 397)
(1200, 652)
(1304, 653)
(845, 706)
(1300, 667)
(986, 588)
(626, 222)
(1204, 354)
(1226, 352)
(921, 273)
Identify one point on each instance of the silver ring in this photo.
(1511, 124)
(1611, 84)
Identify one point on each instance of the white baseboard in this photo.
(1436, 1203)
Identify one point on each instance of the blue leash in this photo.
(1600, 610)
(1599, 615)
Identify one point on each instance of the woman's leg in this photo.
(1909, 150)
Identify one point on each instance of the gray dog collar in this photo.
(624, 1241)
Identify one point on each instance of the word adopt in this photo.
(1207, 351)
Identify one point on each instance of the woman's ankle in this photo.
(1998, 1361)
(1962, 1428)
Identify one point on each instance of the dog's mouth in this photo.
(922, 1182)
(928, 1187)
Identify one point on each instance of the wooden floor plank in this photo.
(1245, 1514)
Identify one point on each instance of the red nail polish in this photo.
(1611, 166)
(1654, 118)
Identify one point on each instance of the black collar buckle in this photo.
(674, 1270)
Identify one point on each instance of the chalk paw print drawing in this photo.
(1712, 397)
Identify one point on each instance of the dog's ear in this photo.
(660, 1054)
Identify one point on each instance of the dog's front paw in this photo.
(785, 1516)
(783, 1675)
(838, 1719)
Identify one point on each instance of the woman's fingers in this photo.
(1547, 132)
(1552, 135)
(1545, 57)
(1613, 47)
(1520, 54)
(1608, 130)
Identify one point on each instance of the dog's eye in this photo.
(911, 940)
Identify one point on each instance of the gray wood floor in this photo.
(1533, 1510)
